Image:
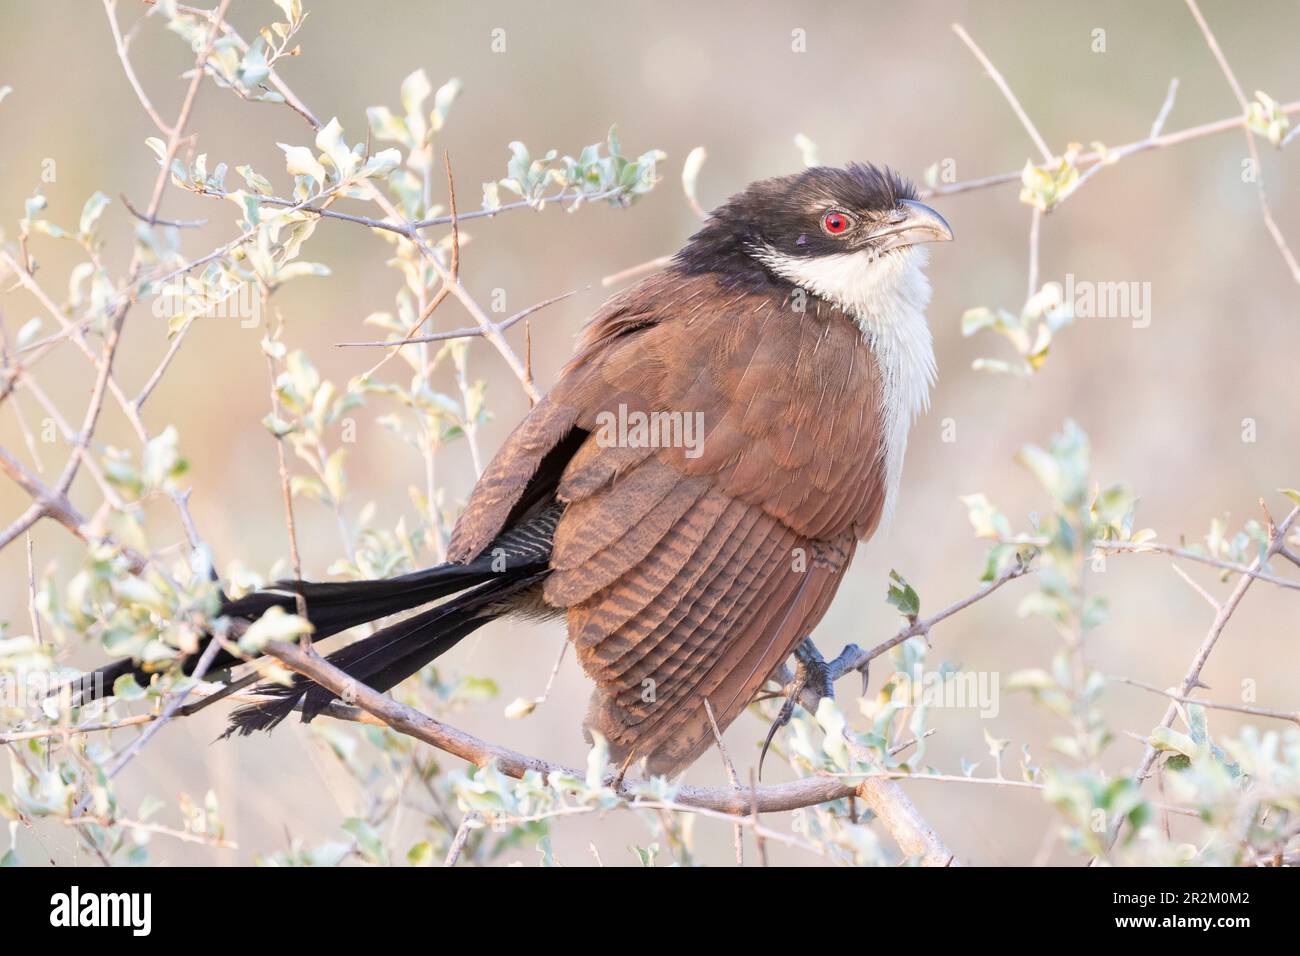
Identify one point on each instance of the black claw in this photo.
(783, 718)
(811, 670)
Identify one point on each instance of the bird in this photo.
(689, 493)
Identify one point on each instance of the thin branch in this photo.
(853, 658)
(993, 73)
(462, 333)
(183, 835)
(663, 807)
(1157, 127)
(20, 525)
(1265, 208)
(154, 220)
(491, 331)
(395, 223)
(731, 775)
(462, 837)
(1152, 547)
(1209, 598)
(31, 595)
(1291, 716)
(122, 44)
(774, 798)
(1093, 157)
(286, 488)
(206, 693)
(168, 712)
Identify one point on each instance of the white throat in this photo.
(887, 296)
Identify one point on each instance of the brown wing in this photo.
(690, 573)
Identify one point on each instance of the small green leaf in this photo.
(421, 854)
(902, 596)
(91, 212)
(301, 161)
(126, 688)
(276, 624)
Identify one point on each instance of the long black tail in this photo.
(390, 655)
(514, 562)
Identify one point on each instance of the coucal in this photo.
(791, 330)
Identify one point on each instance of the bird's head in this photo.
(834, 231)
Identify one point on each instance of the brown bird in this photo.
(691, 491)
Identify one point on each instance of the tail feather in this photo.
(387, 657)
(332, 607)
(515, 561)
(336, 606)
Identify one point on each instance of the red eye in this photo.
(836, 223)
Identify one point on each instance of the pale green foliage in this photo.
(1030, 333)
(1044, 186)
(1267, 118)
(613, 177)
(134, 594)
(1201, 775)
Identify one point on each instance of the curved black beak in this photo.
(914, 223)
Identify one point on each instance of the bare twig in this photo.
(286, 488)
(1092, 157)
(1152, 547)
(31, 595)
(184, 836)
(731, 775)
(155, 221)
(168, 712)
(1251, 145)
(1002, 85)
(462, 837)
(462, 333)
(1291, 716)
(1196, 587)
(853, 658)
(396, 224)
(122, 44)
(1158, 125)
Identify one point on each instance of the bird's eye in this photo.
(836, 223)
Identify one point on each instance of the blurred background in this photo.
(882, 82)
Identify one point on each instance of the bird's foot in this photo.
(851, 659)
(812, 672)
